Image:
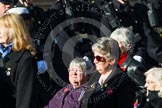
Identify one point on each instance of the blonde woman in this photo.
(18, 85)
(154, 88)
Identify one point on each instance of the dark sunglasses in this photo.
(100, 59)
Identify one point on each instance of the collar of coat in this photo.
(14, 56)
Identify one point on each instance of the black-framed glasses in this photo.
(100, 59)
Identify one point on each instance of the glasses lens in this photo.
(100, 59)
(74, 70)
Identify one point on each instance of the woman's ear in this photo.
(112, 61)
(129, 46)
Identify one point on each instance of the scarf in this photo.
(122, 58)
(5, 50)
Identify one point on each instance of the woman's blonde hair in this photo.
(17, 32)
(156, 72)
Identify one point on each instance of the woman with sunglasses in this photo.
(109, 87)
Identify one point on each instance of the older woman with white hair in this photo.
(154, 88)
(80, 70)
(135, 69)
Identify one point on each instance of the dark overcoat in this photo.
(153, 100)
(135, 70)
(116, 92)
(20, 88)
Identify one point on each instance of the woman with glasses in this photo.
(154, 88)
(110, 87)
(71, 95)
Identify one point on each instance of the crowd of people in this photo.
(81, 54)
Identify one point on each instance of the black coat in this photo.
(154, 47)
(153, 100)
(21, 89)
(116, 92)
(135, 70)
(153, 31)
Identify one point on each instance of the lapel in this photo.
(93, 83)
(14, 56)
(111, 80)
(117, 71)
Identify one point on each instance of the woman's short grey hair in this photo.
(108, 47)
(124, 35)
(84, 63)
(157, 73)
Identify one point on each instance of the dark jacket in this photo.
(135, 70)
(153, 31)
(116, 92)
(153, 100)
(67, 97)
(154, 47)
(22, 90)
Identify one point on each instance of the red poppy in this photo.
(109, 91)
(65, 90)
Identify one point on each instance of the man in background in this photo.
(4, 6)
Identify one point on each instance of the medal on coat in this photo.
(8, 73)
